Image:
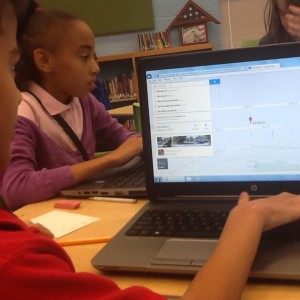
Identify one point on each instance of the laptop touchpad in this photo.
(184, 252)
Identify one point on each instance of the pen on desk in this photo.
(110, 199)
(84, 241)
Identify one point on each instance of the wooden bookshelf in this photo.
(115, 67)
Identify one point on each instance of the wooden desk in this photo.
(113, 217)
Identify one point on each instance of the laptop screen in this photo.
(228, 121)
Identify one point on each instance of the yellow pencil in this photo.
(83, 241)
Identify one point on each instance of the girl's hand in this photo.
(293, 22)
(129, 149)
(39, 228)
(273, 211)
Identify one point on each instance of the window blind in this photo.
(241, 20)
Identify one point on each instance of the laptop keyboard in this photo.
(134, 178)
(289, 231)
(200, 224)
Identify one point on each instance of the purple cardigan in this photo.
(40, 168)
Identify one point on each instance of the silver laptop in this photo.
(125, 181)
(214, 124)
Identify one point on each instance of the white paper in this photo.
(61, 223)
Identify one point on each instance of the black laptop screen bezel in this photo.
(160, 190)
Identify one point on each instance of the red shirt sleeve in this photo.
(35, 267)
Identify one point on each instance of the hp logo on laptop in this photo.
(254, 188)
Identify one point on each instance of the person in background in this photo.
(282, 22)
(33, 266)
(56, 72)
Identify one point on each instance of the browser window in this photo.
(226, 122)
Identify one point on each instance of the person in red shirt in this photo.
(33, 266)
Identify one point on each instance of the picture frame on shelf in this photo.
(191, 22)
(195, 34)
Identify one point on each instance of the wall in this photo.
(240, 20)
(164, 13)
(105, 16)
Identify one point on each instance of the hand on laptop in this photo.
(130, 148)
(228, 267)
(273, 211)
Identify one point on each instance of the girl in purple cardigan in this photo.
(56, 72)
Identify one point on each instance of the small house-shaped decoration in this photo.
(192, 23)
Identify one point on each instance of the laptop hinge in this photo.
(233, 198)
(198, 198)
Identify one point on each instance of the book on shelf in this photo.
(120, 87)
(154, 40)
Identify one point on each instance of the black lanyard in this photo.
(65, 126)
